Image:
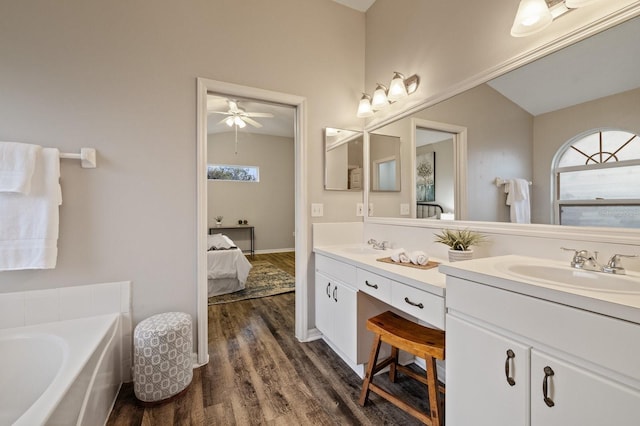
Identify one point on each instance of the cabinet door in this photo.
(579, 396)
(478, 390)
(324, 317)
(344, 317)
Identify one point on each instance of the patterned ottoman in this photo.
(162, 356)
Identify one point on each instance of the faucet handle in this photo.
(614, 265)
(372, 241)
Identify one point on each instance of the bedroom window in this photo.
(233, 173)
(596, 180)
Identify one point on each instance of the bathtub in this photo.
(60, 373)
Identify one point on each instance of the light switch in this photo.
(370, 209)
(404, 208)
(359, 209)
(317, 209)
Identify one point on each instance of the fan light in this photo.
(229, 121)
(239, 122)
(364, 107)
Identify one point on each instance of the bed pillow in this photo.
(219, 242)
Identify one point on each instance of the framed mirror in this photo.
(536, 113)
(343, 160)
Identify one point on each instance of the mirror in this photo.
(384, 163)
(343, 160)
(568, 93)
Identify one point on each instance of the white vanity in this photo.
(352, 286)
(524, 348)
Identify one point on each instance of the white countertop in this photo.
(364, 257)
(492, 271)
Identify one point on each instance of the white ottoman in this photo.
(162, 356)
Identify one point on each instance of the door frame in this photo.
(204, 86)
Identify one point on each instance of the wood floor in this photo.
(259, 374)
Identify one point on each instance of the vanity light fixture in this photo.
(400, 87)
(535, 15)
(364, 107)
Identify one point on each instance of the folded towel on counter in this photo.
(418, 257)
(29, 222)
(400, 256)
(17, 162)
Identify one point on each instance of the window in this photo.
(233, 173)
(597, 179)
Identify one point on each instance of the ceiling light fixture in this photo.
(399, 88)
(535, 15)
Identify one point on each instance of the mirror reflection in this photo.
(519, 125)
(384, 155)
(343, 159)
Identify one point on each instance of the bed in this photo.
(227, 267)
(428, 210)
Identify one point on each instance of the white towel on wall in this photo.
(29, 223)
(17, 162)
(518, 198)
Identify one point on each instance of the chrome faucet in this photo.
(583, 259)
(614, 266)
(378, 245)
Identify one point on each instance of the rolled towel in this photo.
(404, 258)
(419, 257)
(395, 254)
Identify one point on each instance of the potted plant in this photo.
(219, 220)
(459, 242)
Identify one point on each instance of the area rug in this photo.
(264, 280)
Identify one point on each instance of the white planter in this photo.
(458, 255)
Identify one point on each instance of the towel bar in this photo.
(499, 181)
(87, 157)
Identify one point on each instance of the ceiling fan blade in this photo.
(219, 112)
(258, 114)
(251, 121)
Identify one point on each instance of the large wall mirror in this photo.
(518, 125)
(343, 159)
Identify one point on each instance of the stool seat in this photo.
(416, 339)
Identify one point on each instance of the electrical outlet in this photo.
(359, 209)
(404, 208)
(317, 210)
(370, 209)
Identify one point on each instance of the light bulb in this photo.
(397, 88)
(379, 100)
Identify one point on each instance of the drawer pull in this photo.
(419, 305)
(548, 372)
(335, 293)
(510, 355)
(371, 285)
(328, 287)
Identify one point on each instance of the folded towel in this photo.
(518, 198)
(395, 254)
(404, 258)
(29, 223)
(17, 162)
(418, 257)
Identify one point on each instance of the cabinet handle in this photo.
(371, 285)
(335, 293)
(548, 372)
(419, 305)
(328, 287)
(510, 355)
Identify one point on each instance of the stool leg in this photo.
(375, 349)
(392, 368)
(434, 394)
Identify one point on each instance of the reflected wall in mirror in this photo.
(520, 123)
(343, 158)
(384, 157)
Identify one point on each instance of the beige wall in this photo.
(121, 77)
(268, 204)
(553, 130)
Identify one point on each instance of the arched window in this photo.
(597, 180)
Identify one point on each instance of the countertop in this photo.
(493, 271)
(364, 257)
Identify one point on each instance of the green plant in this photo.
(459, 239)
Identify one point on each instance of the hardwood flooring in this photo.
(259, 374)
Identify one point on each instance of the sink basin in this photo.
(576, 278)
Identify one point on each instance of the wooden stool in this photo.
(418, 340)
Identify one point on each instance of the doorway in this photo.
(229, 90)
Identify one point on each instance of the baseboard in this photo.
(279, 250)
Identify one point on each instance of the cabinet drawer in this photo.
(375, 285)
(421, 304)
(336, 269)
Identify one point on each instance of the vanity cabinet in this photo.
(513, 359)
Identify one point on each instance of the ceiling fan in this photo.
(239, 117)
